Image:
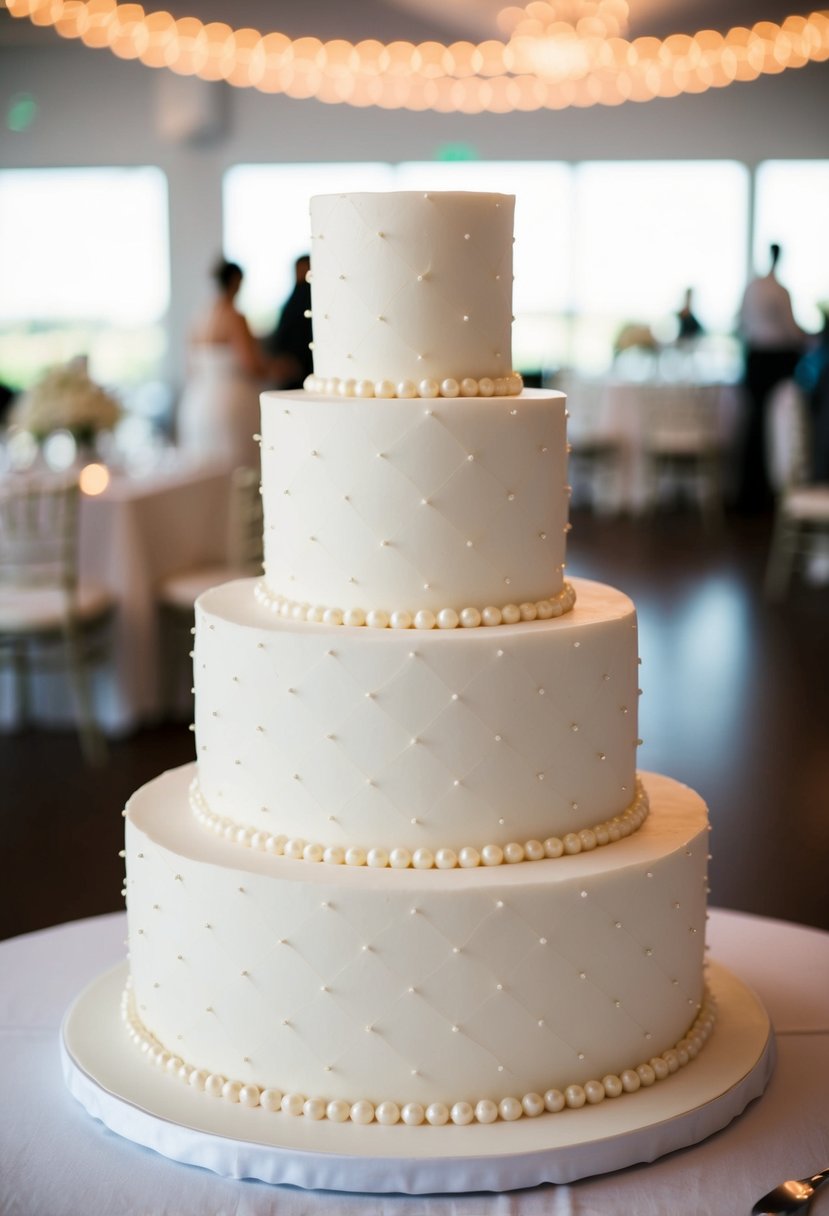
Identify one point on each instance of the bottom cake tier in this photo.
(353, 992)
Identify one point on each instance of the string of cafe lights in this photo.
(556, 53)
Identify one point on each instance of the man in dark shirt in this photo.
(289, 343)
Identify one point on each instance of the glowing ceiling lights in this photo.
(558, 53)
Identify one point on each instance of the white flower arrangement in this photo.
(65, 398)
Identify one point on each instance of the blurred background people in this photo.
(812, 377)
(218, 413)
(289, 345)
(773, 343)
(688, 324)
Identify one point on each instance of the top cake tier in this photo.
(412, 293)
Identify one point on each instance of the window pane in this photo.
(791, 208)
(84, 261)
(647, 230)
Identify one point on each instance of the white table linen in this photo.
(620, 410)
(57, 1161)
(134, 534)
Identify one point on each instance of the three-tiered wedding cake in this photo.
(414, 876)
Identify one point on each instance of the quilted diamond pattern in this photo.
(482, 736)
(411, 985)
(414, 504)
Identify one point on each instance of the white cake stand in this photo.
(117, 1085)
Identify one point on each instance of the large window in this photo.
(84, 264)
(644, 233)
(792, 209)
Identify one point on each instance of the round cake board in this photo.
(113, 1080)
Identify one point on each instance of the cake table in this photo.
(58, 1161)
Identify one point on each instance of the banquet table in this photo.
(621, 410)
(141, 529)
(58, 1161)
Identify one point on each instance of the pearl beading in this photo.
(466, 386)
(401, 858)
(445, 618)
(362, 1111)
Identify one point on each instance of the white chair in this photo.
(801, 527)
(178, 593)
(48, 618)
(596, 451)
(682, 446)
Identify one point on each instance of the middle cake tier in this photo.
(409, 739)
(404, 506)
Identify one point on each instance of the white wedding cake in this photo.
(413, 876)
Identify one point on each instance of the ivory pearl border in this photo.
(508, 1109)
(401, 858)
(467, 386)
(445, 618)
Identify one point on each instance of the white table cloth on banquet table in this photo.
(621, 409)
(57, 1161)
(136, 532)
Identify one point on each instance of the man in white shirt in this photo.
(773, 343)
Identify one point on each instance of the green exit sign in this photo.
(457, 151)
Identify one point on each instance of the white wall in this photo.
(94, 109)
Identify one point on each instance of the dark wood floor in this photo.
(736, 703)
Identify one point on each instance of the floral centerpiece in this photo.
(65, 398)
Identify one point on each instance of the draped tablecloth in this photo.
(622, 411)
(57, 1161)
(138, 531)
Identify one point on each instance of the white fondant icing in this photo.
(399, 858)
(278, 1017)
(437, 1113)
(342, 945)
(364, 730)
(321, 478)
(394, 277)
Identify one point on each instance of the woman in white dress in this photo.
(218, 413)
